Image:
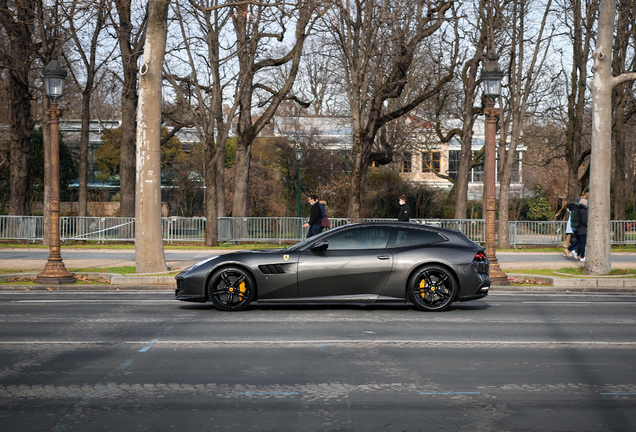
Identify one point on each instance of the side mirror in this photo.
(320, 245)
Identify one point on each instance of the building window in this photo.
(453, 163)
(407, 165)
(431, 161)
(476, 175)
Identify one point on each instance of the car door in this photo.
(356, 262)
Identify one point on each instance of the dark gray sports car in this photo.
(370, 262)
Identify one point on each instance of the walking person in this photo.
(324, 221)
(405, 210)
(575, 218)
(315, 217)
(581, 231)
(570, 230)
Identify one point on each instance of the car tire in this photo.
(432, 288)
(231, 289)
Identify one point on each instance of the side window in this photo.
(412, 237)
(360, 238)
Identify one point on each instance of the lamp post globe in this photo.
(54, 272)
(54, 75)
(491, 76)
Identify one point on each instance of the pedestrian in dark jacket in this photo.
(581, 232)
(315, 217)
(405, 210)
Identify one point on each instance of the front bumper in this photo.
(181, 294)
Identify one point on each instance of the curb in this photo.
(113, 278)
(86, 288)
(577, 282)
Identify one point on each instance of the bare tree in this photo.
(622, 95)
(378, 42)
(469, 111)
(131, 40)
(580, 20)
(78, 16)
(149, 255)
(206, 51)
(18, 20)
(523, 78)
(598, 259)
(256, 25)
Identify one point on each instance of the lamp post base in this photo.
(54, 273)
(497, 276)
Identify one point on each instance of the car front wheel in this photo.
(231, 289)
(432, 288)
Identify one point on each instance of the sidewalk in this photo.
(507, 260)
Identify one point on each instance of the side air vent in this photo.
(271, 269)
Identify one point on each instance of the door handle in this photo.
(383, 257)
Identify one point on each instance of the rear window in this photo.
(413, 237)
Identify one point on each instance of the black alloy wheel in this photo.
(231, 289)
(432, 288)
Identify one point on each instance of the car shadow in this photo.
(478, 305)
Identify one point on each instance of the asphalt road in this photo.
(105, 361)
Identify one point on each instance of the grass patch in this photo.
(121, 270)
(12, 271)
(124, 270)
(29, 282)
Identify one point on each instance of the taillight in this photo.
(481, 257)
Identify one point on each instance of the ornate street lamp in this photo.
(491, 76)
(54, 272)
(299, 156)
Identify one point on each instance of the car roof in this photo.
(399, 225)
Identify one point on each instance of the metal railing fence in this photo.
(99, 229)
(278, 229)
(21, 227)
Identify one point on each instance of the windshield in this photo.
(305, 242)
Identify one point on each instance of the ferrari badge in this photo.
(286, 257)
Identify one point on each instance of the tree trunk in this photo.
(240, 205)
(18, 28)
(598, 258)
(466, 156)
(149, 254)
(466, 153)
(576, 98)
(620, 167)
(215, 185)
(127, 149)
(83, 156)
(130, 55)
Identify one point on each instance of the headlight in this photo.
(199, 264)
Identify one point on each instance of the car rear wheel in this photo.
(432, 288)
(231, 289)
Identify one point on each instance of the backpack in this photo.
(575, 219)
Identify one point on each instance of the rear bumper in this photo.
(482, 291)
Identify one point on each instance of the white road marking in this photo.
(595, 303)
(95, 301)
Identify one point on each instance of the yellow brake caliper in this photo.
(242, 288)
(423, 285)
